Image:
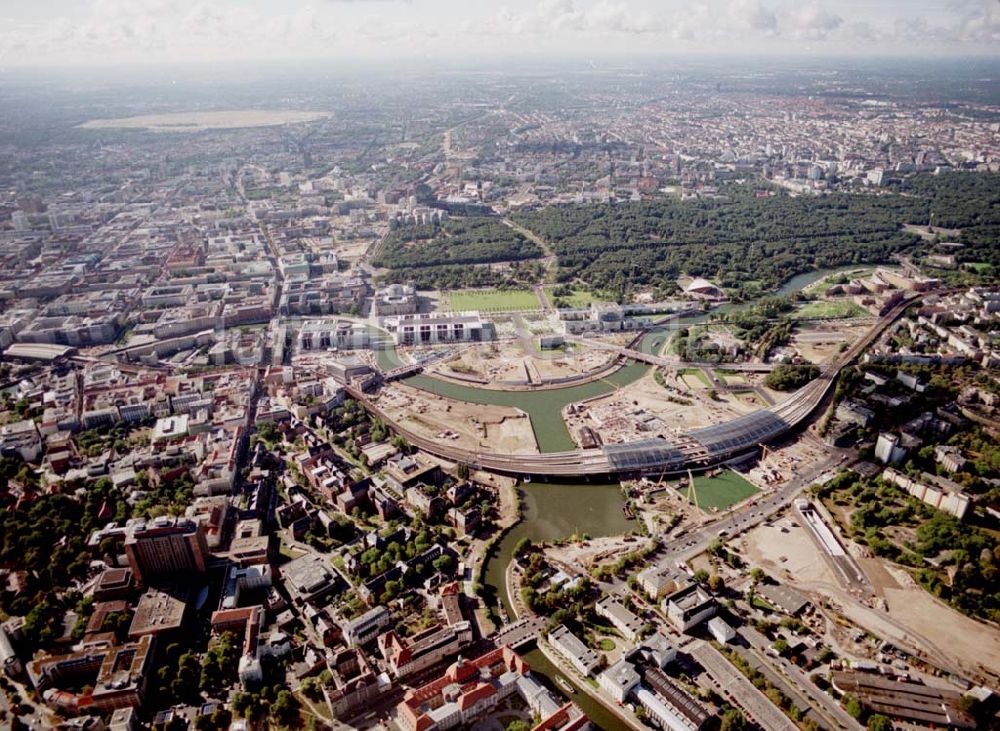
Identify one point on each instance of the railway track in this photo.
(692, 450)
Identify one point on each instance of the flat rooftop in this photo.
(159, 610)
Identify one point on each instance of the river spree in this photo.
(551, 512)
(544, 406)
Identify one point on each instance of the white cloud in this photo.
(916, 29)
(750, 15)
(717, 21)
(565, 17)
(106, 31)
(813, 22)
(981, 24)
(117, 30)
(693, 23)
(861, 32)
(118, 10)
(619, 18)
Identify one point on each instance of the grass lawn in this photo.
(578, 300)
(830, 309)
(721, 491)
(607, 645)
(851, 273)
(759, 603)
(672, 344)
(979, 266)
(695, 373)
(491, 300)
(288, 552)
(731, 378)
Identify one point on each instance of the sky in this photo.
(109, 32)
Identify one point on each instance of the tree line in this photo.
(474, 240)
(745, 242)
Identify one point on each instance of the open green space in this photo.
(199, 121)
(674, 343)
(721, 491)
(759, 603)
(439, 255)
(842, 276)
(492, 300)
(731, 378)
(695, 373)
(829, 309)
(577, 299)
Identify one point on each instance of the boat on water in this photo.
(562, 683)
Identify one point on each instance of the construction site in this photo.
(510, 363)
(861, 590)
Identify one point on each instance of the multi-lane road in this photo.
(749, 515)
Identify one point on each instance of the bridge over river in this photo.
(695, 449)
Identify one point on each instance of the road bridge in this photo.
(516, 634)
(695, 449)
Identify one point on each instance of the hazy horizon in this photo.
(735, 63)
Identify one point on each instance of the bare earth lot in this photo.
(820, 342)
(970, 640)
(911, 614)
(199, 121)
(506, 361)
(612, 414)
(471, 426)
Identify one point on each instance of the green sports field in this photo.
(721, 491)
(491, 300)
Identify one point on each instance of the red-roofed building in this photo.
(232, 620)
(567, 718)
(470, 689)
(423, 650)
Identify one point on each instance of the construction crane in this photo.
(663, 474)
(692, 495)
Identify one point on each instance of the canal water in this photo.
(553, 511)
(544, 407)
(599, 716)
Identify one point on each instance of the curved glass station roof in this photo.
(740, 433)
